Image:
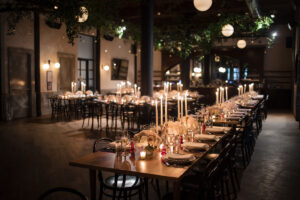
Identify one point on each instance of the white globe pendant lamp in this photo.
(227, 30)
(202, 5)
(241, 44)
(84, 16)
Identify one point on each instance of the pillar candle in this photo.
(245, 88)
(178, 104)
(217, 98)
(226, 90)
(220, 96)
(161, 110)
(238, 91)
(242, 89)
(166, 108)
(181, 106)
(185, 101)
(139, 89)
(156, 116)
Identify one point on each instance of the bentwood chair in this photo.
(118, 185)
(112, 111)
(128, 115)
(212, 181)
(87, 111)
(60, 193)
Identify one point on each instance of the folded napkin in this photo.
(233, 118)
(205, 137)
(214, 129)
(240, 113)
(181, 156)
(244, 109)
(236, 115)
(195, 146)
(258, 97)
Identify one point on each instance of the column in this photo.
(97, 60)
(37, 62)
(185, 73)
(206, 70)
(147, 48)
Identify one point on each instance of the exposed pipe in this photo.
(253, 8)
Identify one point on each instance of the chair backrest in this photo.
(62, 191)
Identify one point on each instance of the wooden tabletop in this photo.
(133, 165)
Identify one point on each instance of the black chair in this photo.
(119, 186)
(128, 115)
(63, 191)
(112, 111)
(87, 111)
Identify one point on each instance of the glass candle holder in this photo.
(143, 155)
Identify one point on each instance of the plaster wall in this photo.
(278, 57)
(118, 48)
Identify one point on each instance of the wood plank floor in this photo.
(35, 154)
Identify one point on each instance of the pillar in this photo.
(97, 59)
(37, 62)
(147, 48)
(206, 70)
(185, 73)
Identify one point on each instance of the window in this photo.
(246, 73)
(228, 73)
(86, 72)
(86, 61)
(236, 74)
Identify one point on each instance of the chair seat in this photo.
(129, 181)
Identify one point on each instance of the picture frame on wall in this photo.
(49, 79)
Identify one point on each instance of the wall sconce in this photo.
(46, 66)
(105, 67)
(57, 65)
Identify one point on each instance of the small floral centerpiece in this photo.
(149, 151)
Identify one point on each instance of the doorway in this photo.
(21, 84)
(66, 71)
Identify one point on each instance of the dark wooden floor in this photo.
(35, 154)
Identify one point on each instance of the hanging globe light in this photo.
(84, 15)
(217, 58)
(202, 5)
(241, 44)
(227, 30)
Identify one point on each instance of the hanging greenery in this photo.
(185, 36)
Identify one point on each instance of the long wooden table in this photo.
(151, 168)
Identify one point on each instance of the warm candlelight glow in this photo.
(156, 116)
(166, 108)
(161, 110)
(143, 155)
(161, 147)
(185, 101)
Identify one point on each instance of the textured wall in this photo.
(118, 48)
(278, 57)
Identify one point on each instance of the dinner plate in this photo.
(172, 161)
